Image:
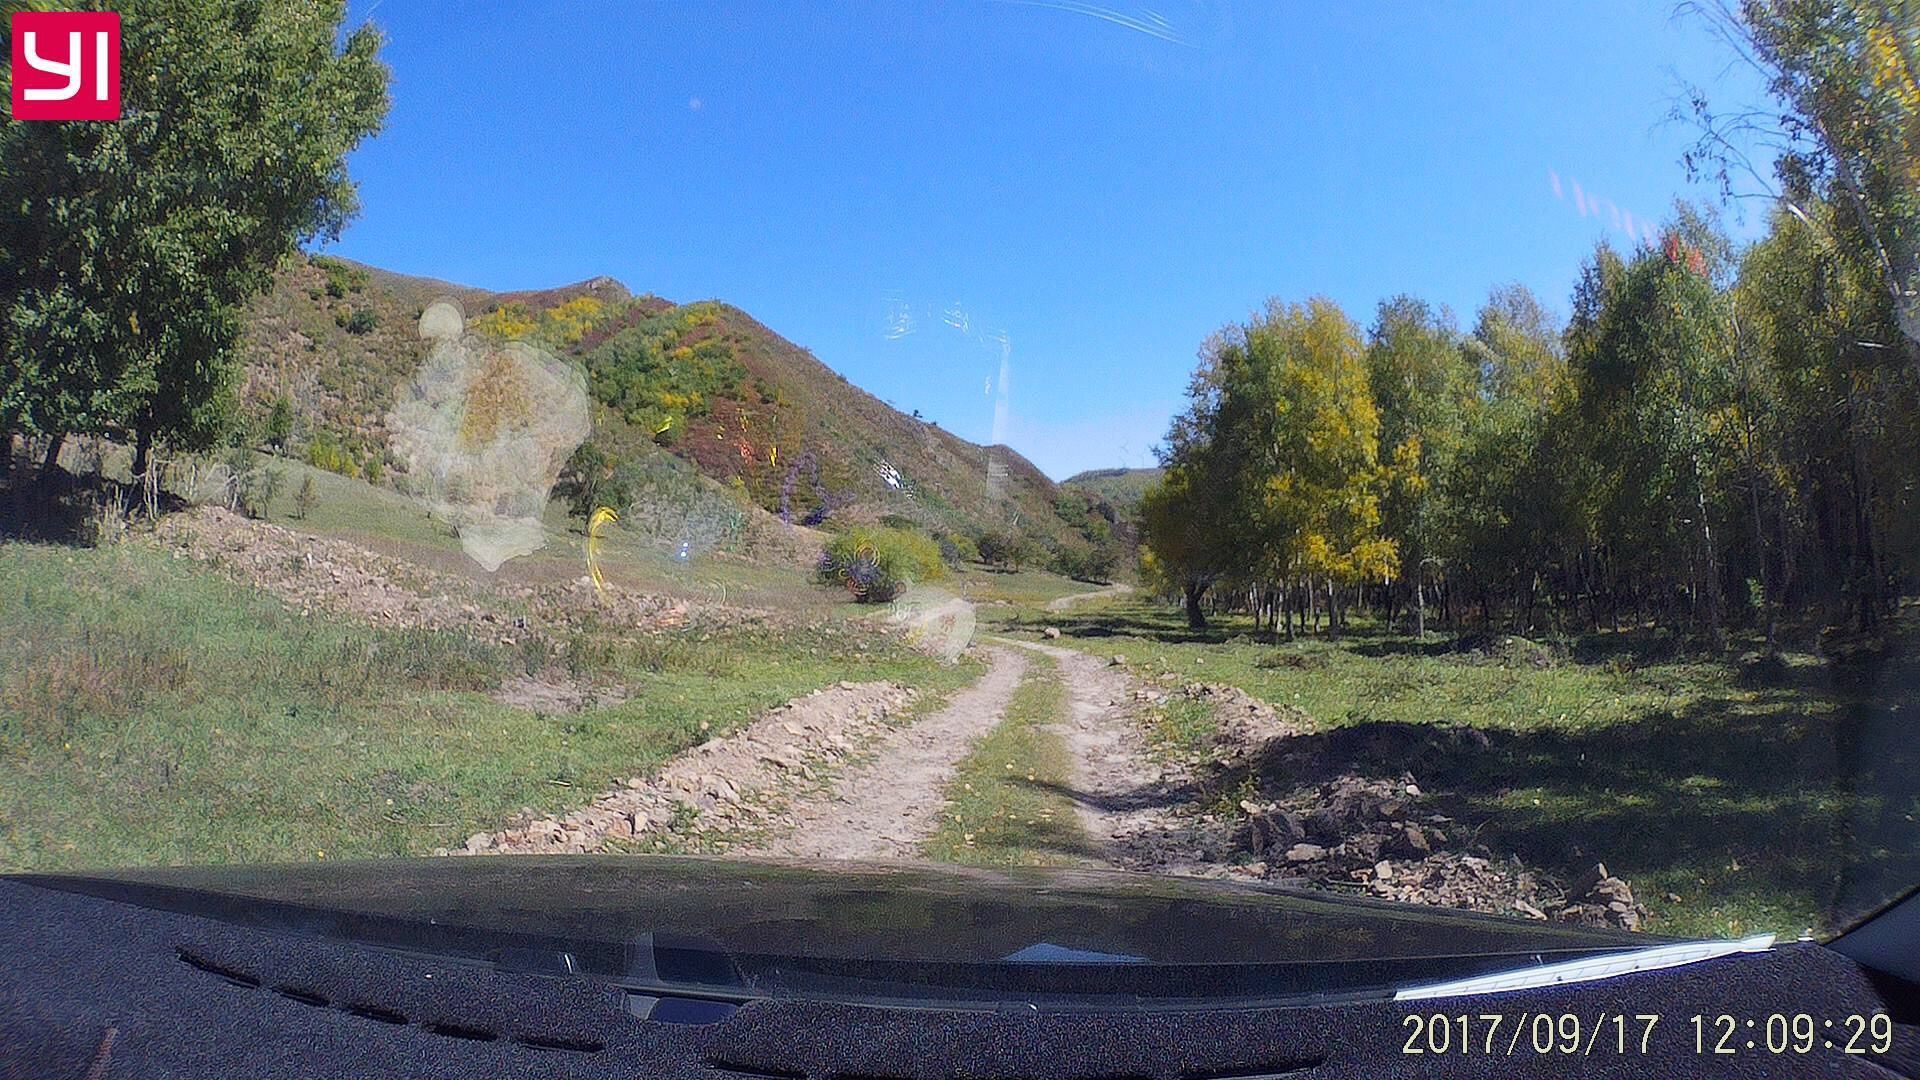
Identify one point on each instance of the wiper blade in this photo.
(1652, 958)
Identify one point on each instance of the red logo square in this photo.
(66, 65)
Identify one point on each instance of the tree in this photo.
(1847, 77)
(128, 249)
(1655, 387)
(304, 499)
(279, 425)
(1274, 480)
(1423, 389)
(1183, 549)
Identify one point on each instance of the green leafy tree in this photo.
(1846, 76)
(305, 499)
(1423, 389)
(128, 249)
(279, 423)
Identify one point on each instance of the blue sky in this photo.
(902, 187)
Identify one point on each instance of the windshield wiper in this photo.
(1652, 958)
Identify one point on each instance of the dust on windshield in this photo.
(1479, 475)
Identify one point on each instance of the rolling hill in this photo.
(704, 382)
(1121, 487)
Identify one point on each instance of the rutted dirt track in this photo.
(1121, 793)
(1072, 600)
(887, 807)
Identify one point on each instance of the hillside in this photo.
(704, 381)
(1121, 487)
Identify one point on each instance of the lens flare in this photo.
(601, 518)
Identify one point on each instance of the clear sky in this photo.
(900, 187)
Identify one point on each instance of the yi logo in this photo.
(66, 65)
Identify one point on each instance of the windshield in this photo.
(1427, 462)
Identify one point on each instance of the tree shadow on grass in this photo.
(1120, 624)
(63, 508)
(1801, 800)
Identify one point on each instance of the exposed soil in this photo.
(727, 784)
(1062, 603)
(1122, 794)
(313, 573)
(888, 806)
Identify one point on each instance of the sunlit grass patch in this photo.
(153, 712)
(1775, 798)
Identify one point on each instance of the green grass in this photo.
(984, 586)
(1005, 806)
(1764, 799)
(151, 712)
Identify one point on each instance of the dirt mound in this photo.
(1376, 833)
(1507, 650)
(720, 784)
(314, 573)
(1248, 725)
(1357, 831)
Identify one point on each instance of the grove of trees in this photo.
(1710, 440)
(1715, 438)
(128, 249)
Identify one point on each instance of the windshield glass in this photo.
(1435, 461)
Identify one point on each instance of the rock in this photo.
(1412, 841)
(1274, 830)
(1050, 633)
(1323, 826)
(1117, 661)
(1366, 846)
(1383, 871)
(1527, 909)
(1611, 891)
(1584, 884)
(1305, 853)
(1413, 791)
(479, 842)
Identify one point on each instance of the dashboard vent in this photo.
(383, 1015)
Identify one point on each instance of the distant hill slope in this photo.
(704, 381)
(1121, 487)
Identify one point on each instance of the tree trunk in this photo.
(142, 446)
(1196, 618)
(1420, 601)
(51, 460)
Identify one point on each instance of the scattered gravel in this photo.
(720, 786)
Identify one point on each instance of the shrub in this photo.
(361, 321)
(325, 452)
(279, 423)
(957, 549)
(341, 278)
(304, 499)
(876, 564)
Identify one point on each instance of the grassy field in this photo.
(1018, 587)
(1006, 805)
(1736, 797)
(152, 713)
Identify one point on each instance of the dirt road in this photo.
(1120, 792)
(1063, 603)
(887, 807)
